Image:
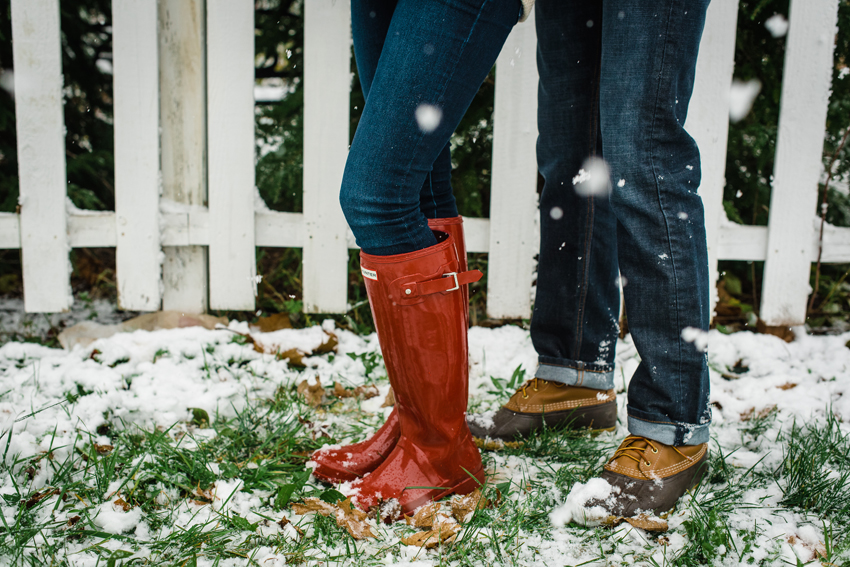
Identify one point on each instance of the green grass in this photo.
(170, 475)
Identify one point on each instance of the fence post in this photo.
(184, 143)
(136, 92)
(514, 234)
(327, 88)
(41, 155)
(708, 120)
(799, 148)
(230, 143)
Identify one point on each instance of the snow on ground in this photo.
(152, 379)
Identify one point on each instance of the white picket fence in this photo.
(184, 136)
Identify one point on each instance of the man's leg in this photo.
(575, 321)
(649, 53)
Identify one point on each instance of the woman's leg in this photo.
(370, 22)
(434, 57)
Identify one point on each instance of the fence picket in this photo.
(41, 155)
(327, 85)
(230, 145)
(799, 145)
(708, 119)
(183, 118)
(136, 92)
(513, 194)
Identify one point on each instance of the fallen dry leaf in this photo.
(39, 496)
(752, 413)
(366, 392)
(347, 516)
(389, 401)
(313, 393)
(328, 346)
(123, 504)
(353, 520)
(425, 516)
(274, 322)
(787, 386)
(313, 505)
(103, 449)
(642, 521)
(285, 522)
(293, 357)
(463, 506)
(443, 533)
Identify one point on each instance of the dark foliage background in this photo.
(86, 44)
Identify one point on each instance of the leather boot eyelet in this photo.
(654, 450)
(648, 464)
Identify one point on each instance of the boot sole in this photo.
(513, 426)
(463, 487)
(498, 444)
(334, 477)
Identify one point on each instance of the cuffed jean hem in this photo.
(576, 373)
(667, 432)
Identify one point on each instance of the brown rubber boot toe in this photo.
(651, 476)
(540, 402)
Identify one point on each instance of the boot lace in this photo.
(636, 445)
(532, 383)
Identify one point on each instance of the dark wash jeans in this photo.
(411, 53)
(616, 77)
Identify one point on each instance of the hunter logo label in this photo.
(369, 274)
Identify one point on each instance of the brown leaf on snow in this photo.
(285, 522)
(463, 506)
(752, 413)
(328, 346)
(443, 533)
(389, 401)
(366, 391)
(644, 522)
(347, 516)
(313, 393)
(39, 496)
(313, 505)
(293, 357)
(103, 449)
(274, 322)
(353, 520)
(123, 504)
(815, 551)
(787, 386)
(425, 516)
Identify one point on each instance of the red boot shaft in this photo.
(419, 312)
(347, 463)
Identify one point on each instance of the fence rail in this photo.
(184, 135)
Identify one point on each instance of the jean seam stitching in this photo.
(660, 200)
(588, 232)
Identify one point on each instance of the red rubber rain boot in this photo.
(350, 462)
(419, 312)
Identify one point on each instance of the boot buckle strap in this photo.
(415, 288)
(454, 275)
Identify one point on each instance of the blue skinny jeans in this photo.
(420, 64)
(616, 77)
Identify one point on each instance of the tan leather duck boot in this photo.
(553, 403)
(649, 476)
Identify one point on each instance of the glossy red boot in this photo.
(350, 462)
(419, 311)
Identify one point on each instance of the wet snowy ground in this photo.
(126, 417)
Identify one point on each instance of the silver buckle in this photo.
(454, 275)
